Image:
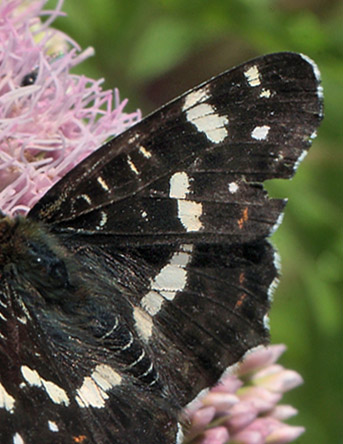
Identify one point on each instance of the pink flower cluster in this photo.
(49, 126)
(243, 408)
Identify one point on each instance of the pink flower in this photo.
(50, 119)
(243, 408)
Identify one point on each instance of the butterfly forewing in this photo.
(145, 272)
(250, 123)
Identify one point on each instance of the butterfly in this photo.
(146, 272)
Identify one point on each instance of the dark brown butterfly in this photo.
(146, 271)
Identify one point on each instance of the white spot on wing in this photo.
(171, 279)
(277, 223)
(272, 288)
(89, 394)
(53, 427)
(17, 439)
(275, 281)
(173, 274)
(265, 93)
(93, 390)
(260, 132)
(132, 165)
(143, 323)
(313, 135)
(22, 319)
(86, 198)
(204, 116)
(144, 152)
(6, 400)
(133, 138)
(103, 219)
(196, 97)
(320, 95)
(179, 185)
(152, 302)
(103, 183)
(300, 159)
(55, 393)
(189, 211)
(233, 187)
(206, 120)
(105, 377)
(277, 261)
(253, 76)
(266, 322)
(316, 73)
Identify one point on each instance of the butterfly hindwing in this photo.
(72, 378)
(146, 271)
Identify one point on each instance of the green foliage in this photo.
(153, 48)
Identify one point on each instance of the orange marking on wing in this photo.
(241, 278)
(244, 218)
(79, 439)
(240, 301)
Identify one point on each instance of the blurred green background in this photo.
(153, 50)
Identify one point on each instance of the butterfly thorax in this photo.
(29, 252)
